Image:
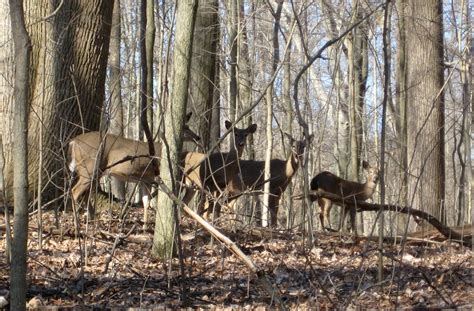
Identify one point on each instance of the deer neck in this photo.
(369, 188)
(292, 164)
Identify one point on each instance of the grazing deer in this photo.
(329, 182)
(282, 171)
(93, 155)
(220, 169)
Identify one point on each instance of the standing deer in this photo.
(282, 171)
(331, 183)
(93, 155)
(218, 170)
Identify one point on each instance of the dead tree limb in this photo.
(450, 234)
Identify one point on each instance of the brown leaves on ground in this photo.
(336, 273)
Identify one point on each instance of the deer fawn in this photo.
(329, 182)
(282, 171)
(93, 155)
(220, 169)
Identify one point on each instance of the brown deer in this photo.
(218, 170)
(92, 155)
(329, 182)
(282, 171)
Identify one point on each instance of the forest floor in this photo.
(338, 272)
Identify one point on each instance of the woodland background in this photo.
(392, 85)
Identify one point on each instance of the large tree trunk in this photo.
(358, 72)
(174, 121)
(402, 100)
(425, 96)
(18, 285)
(203, 69)
(68, 67)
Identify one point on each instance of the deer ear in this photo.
(310, 138)
(252, 128)
(188, 116)
(365, 164)
(227, 124)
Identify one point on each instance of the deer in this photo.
(334, 184)
(282, 171)
(92, 155)
(218, 170)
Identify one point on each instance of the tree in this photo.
(67, 79)
(425, 105)
(203, 68)
(18, 268)
(115, 88)
(174, 119)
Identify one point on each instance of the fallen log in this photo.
(360, 206)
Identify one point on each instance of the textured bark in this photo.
(67, 77)
(18, 268)
(115, 86)
(233, 12)
(426, 106)
(150, 44)
(174, 120)
(358, 72)
(464, 156)
(269, 115)
(401, 99)
(203, 69)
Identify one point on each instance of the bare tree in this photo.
(203, 68)
(18, 266)
(68, 68)
(174, 119)
(115, 89)
(425, 97)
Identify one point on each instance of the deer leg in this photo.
(352, 214)
(342, 218)
(273, 207)
(79, 189)
(325, 206)
(146, 204)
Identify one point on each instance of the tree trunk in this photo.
(288, 127)
(174, 121)
(115, 87)
(150, 44)
(401, 98)
(269, 115)
(425, 115)
(203, 69)
(68, 69)
(464, 156)
(18, 268)
(233, 30)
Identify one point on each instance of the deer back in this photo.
(329, 182)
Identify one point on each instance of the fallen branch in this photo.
(231, 245)
(450, 234)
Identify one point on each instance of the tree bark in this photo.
(203, 69)
(425, 94)
(67, 78)
(18, 268)
(150, 45)
(115, 87)
(401, 99)
(269, 115)
(174, 121)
